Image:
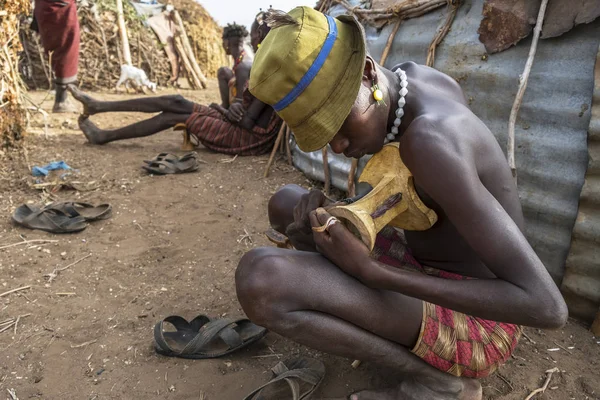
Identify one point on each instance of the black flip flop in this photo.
(49, 220)
(184, 164)
(88, 211)
(300, 376)
(203, 338)
(171, 157)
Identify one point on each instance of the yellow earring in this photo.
(377, 93)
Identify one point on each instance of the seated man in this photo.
(441, 307)
(247, 127)
(234, 36)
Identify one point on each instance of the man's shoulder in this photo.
(433, 132)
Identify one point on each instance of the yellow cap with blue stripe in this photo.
(309, 69)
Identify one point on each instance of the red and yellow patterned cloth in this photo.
(450, 341)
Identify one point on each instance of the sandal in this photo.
(278, 238)
(89, 212)
(203, 338)
(49, 220)
(171, 157)
(302, 375)
(178, 165)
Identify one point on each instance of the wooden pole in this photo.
(388, 45)
(274, 151)
(326, 171)
(123, 31)
(441, 34)
(191, 74)
(510, 148)
(188, 49)
(288, 150)
(351, 176)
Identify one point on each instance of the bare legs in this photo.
(147, 127)
(172, 103)
(174, 109)
(304, 297)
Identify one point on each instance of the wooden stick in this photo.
(77, 346)
(26, 49)
(288, 150)
(528, 338)
(13, 394)
(104, 44)
(388, 45)
(282, 144)
(188, 48)
(43, 60)
(548, 375)
(441, 34)
(123, 31)
(52, 275)
(274, 151)
(510, 148)
(506, 381)
(326, 171)
(7, 327)
(351, 177)
(191, 74)
(17, 324)
(14, 290)
(28, 242)
(564, 348)
(139, 51)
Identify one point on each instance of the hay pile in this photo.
(205, 36)
(12, 113)
(100, 55)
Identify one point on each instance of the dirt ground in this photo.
(172, 247)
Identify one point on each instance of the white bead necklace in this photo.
(401, 102)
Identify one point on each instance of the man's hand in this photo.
(341, 247)
(236, 112)
(219, 108)
(299, 232)
(308, 203)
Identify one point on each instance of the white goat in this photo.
(135, 76)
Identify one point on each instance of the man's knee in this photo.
(224, 73)
(281, 206)
(259, 284)
(176, 100)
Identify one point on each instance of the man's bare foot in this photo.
(411, 390)
(93, 134)
(89, 103)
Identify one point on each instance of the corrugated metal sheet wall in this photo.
(581, 285)
(552, 126)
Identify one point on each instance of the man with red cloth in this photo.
(59, 29)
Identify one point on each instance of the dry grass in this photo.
(12, 113)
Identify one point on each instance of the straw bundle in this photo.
(12, 113)
(205, 36)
